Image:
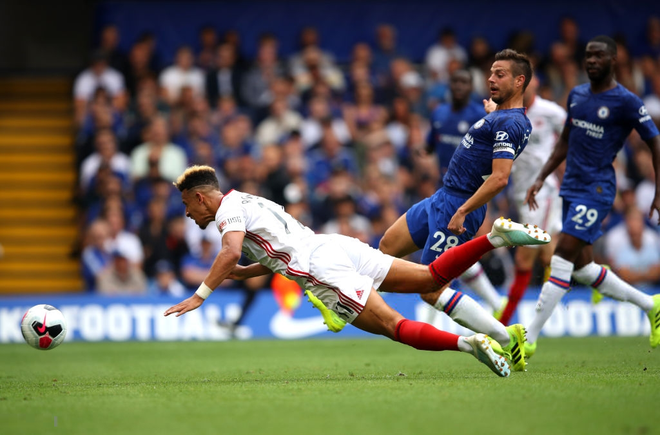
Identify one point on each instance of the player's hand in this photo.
(530, 199)
(456, 223)
(189, 304)
(489, 105)
(655, 207)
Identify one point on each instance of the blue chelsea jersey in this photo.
(448, 128)
(599, 125)
(502, 134)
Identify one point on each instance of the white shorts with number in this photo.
(342, 272)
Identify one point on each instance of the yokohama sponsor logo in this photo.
(593, 130)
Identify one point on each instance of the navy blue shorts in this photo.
(583, 218)
(428, 219)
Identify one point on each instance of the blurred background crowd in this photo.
(341, 145)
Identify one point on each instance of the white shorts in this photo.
(546, 216)
(343, 271)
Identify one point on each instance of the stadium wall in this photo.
(342, 23)
(93, 318)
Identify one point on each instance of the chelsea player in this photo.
(601, 114)
(477, 172)
(449, 123)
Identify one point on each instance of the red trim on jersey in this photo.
(286, 259)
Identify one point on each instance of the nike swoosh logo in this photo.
(284, 326)
(43, 327)
(580, 227)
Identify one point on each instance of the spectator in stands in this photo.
(480, 60)
(224, 79)
(138, 67)
(569, 36)
(399, 120)
(208, 43)
(149, 41)
(309, 38)
(311, 128)
(314, 70)
(282, 121)
(109, 43)
(633, 250)
(194, 267)
(233, 38)
(122, 240)
(100, 116)
(328, 157)
(95, 256)
(198, 130)
(177, 247)
(182, 74)
(255, 88)
(226, 110)
(153, 235)
(360, 114)
(652, 101)
(165, 282)
(144, 110)
(412, 85)
(651, 46)
(122, 277)
(645, 190)
(169, 158)
(98, 75)
(627, 71)
(562, 73)
(106, 153)
(385, 51)
(272, 174)
(439, 54)
(106, 188)
(347, 221)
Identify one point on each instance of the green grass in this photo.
(372, 386)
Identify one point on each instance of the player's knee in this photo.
(431, 298)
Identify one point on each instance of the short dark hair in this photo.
(520, 62)
(611, 44)
(197, 176)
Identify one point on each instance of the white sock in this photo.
(609, 284)
(476, 278)
(551, 293)
(463, 345)
(466, 312)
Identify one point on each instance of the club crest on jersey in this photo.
(603, 112)
(463, 127)
(479, 123)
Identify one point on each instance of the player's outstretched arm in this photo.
(558, 155)
(240, 273)
(493, 185)
(223, 265)
(654, 144)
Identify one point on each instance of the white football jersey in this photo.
(273, 237)
(547, 120)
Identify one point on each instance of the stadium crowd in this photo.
(342, 146)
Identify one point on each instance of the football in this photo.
(43, 327)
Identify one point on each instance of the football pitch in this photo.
(368, 386)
